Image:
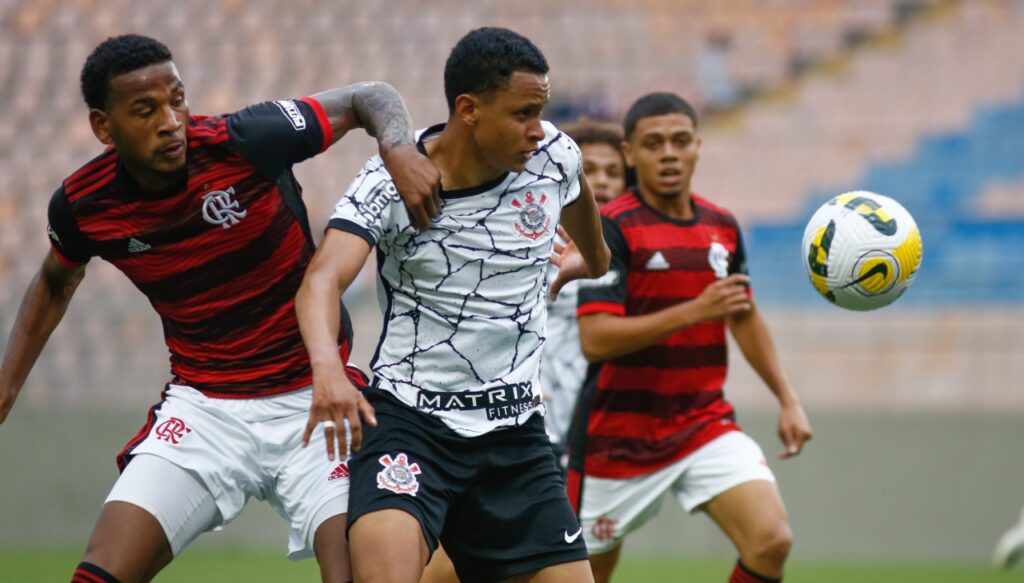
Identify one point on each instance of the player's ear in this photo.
(100, 122)
(467, 108)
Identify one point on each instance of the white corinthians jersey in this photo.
(463, 302)
(563, 367)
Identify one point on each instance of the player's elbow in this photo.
(593, 349)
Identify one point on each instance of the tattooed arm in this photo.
(379, 109)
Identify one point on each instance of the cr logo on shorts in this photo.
(219, 208)
(398, 475)
(172, 430)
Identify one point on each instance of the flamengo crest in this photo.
(219, 208)
(398, 475)
(172, 430)
(533, 221)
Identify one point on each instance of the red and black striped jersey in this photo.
(220, 258)
(645, 410)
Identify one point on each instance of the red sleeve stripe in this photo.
(77, 194)
(601, 308)
(325, 124)
(65, 260)
(82, 576)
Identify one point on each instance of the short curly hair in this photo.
(485, 59)
(586, 131)
(115, 56)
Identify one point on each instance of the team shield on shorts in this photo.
(496, 502)
(609, 509)
(246, 448)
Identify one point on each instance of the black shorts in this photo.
(496, 502)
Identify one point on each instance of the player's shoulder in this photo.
(90, 177)
(711, 212)
(557, 142)
(206, 130)
(622, 207)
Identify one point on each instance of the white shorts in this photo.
(610, 509)
(236, 449)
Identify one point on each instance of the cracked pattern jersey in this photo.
(463, 301)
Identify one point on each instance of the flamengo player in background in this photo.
(653, 419)
(562, 366)
(460, 454)
(204, 216)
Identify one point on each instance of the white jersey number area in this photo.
(463, 301)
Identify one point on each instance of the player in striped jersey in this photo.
(204, 216)
(653, 417)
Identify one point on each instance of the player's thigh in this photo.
(330, 545)
(609, 509)
(718, 466)
(404, 475)
(153, 512)
(516, 518)
(751, 514)
(308, 489)
(388, 546)
(440, 569)
(574, 572)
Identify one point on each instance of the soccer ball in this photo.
(862, 250)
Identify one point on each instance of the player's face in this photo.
(508, 124)
(145, 119)
(605, 171)
(664, 150)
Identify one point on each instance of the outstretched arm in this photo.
(378, 108)
(755, 341)
(42, 308)
(336, 263)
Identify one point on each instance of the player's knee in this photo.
(772, 545)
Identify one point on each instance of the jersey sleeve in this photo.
(566, 156)
(371, 207)
(572, 167)
(607, 294)
(274, 135)
(68, 243)
(738, 263)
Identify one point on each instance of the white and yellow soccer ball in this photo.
(862, 250)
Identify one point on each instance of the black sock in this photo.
(89, 573)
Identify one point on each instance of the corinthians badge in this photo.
(533, 221)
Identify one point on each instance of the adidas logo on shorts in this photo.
(339, 472)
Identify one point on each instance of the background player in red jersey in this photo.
(562, 366)
(203, 214)
(653, 416)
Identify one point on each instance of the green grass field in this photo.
(201, 567)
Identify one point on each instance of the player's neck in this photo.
(677, 206)
(155, 184)
(459, 160)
